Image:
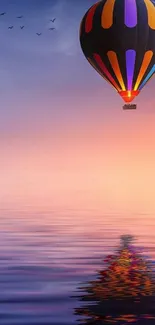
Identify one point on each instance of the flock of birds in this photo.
(22, 27)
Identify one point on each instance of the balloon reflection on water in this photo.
(124, 291)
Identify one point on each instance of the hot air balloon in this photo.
(117, 37)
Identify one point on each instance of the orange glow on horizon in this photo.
(98, 166)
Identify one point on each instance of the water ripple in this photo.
(44, 258)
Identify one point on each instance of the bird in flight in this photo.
(10, 27)
(3, 13)
(38, 34)
(52, 28)
(21, 27)
(20, 17)
(53, 20)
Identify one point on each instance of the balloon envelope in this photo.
(118, 39)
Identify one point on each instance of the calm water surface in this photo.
(45, 256)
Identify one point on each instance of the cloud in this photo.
(67, 25)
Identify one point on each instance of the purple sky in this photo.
(38, 72)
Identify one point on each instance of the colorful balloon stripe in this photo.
(130, 13)
(149, 76)
(89, 18)
(101, 74)
(107, 14)
(130, 65)
(105, 71)
(146, 61)
(151, 13)
(115, 65)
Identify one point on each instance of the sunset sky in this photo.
(65, 141)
